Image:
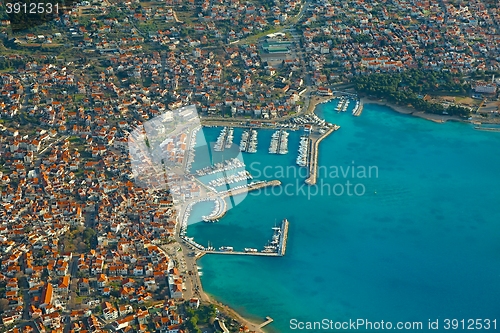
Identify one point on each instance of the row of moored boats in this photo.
(343, 104)
(233, 163)
(230, 179)
(248, 141)
(215, 212)
(225, 139)
(279, 143)
(273, 245)
(303, 151)
(231, 249)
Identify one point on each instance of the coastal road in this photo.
(185, 264)
(195, 288)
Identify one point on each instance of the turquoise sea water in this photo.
(423, 242)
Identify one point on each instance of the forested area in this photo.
(410, 86)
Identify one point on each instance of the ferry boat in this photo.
(234, 178)
(226, 248)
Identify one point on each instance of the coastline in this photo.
(195, 281)
(317, 100)
(313, 104)
(233, 313)
(412, 111)
(230, 312)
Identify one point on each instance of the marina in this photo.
(308, 120)
(230, 179)
(303, 154)
(313, 155)
(318, 227)
(190, 150)
(229, 138)
(248, 143)
(218, 211)
(225, 139)
(279, 142)
(252, 145)
(275, 248)
(227, 165)
(343, 104)
(220, 208)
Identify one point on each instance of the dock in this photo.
(267, 322)
(358, 112)
(251, 187)
(491, 129)
(313, 155)
(261, 254)
(284, 237)
(281, 248)
(242, 190)
(220, 213)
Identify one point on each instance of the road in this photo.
(185, 263)
(52, 143)
(290, 22)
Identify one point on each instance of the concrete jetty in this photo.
(252, 187)
(359, 110)
(280, 252)
(267, 322)
(491, 129)
(313, 155)
(284, 237)
(261, 254)
(221, 211)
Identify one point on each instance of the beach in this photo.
(411, 111)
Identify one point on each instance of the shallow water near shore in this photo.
(421, 243)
